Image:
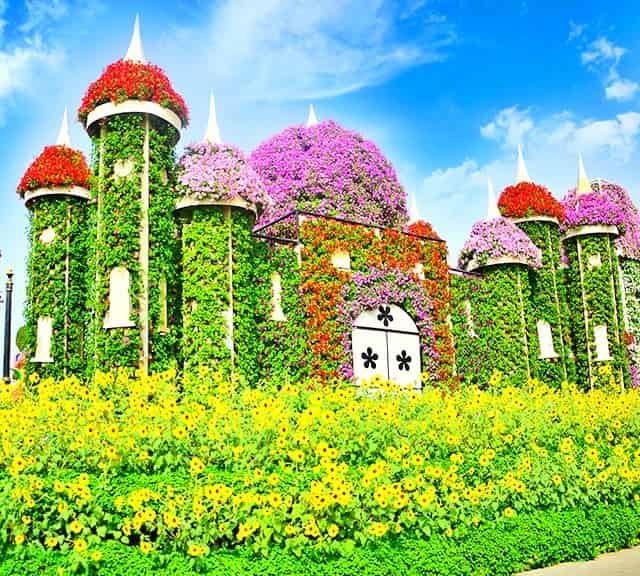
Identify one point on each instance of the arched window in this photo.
(545, 340)
(386, 342)
(119, 302)
(43, 340)
(276, 298)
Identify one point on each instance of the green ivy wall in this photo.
(117, 217)
(594, 298)
(631, 285)
(57, 283)
(496, 333)
(549, 303)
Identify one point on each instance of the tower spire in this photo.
(521, 175)
(212, 135)
(584, 186)
(414, 214)
(135, 53)
(492, 205)
(312, 119)
(63, 134)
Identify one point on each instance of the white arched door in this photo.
(386, 342)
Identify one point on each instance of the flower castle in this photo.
(303, 260)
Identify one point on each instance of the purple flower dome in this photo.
(594, 208)
(498, 238)
(628, 243)
(218, 172)
(332, 171)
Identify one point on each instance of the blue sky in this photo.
(447, 89)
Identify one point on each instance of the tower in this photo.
(218, 196)
(594, 288)
(538, 214)
(55, 190)
(134, 118)
(492, 309)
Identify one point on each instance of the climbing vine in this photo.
(548, 298)
(57, 282)
(490, 328)
(595, 300)
(117, 219)
(205, 288)
(631, 281)
(283, 348)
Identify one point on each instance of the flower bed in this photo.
(593, 208)
(56, 166)
(495, 239)
(526, 199)
(332, 171)
(218, 172)
(189, 469)
(126, 80)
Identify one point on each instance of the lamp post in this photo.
(7, 327)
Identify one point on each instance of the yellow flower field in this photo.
(194, 466)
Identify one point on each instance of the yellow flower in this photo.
(80, 545)
(20, 538)
(333, 530)
(145, 547)
(96, 556)
(75, 527)
(196, 466)
(509, 512)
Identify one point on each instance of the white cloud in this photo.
(19, 65)
(455, 197)
(288, 49)
(603, 57)
(42, 13)
(602, 50)
(621, 90)
(508, 127)
(575, 30)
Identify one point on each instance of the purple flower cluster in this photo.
(594, 208)
(498, 238)
(628, 243)
(211, 172)
(378, 287)
(332, 171)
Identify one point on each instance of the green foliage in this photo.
(595, 299)
(631, 285)
(536, 540)
(282, 347)
(205, 234)
(57, 283)
(116, 218)
(549, 303)
(490, 317)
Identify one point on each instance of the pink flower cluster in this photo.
(498, 238)
(628, 243)
(211, 172)
(593, 208)
(332, 171)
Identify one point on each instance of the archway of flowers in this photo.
(381, 287)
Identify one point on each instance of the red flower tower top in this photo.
(59, 170)
(528, 200)
(132, 85)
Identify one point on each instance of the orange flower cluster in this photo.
(322, 283)
(527, 199)
(125, 80)
(56, 166)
